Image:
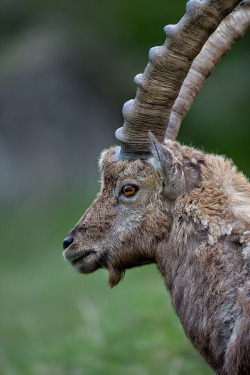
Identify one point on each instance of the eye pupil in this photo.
(129, 190)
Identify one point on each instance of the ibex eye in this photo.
(129, 190)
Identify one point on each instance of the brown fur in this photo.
(191, 217)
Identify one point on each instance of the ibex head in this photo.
(133, 214)
(178, 207)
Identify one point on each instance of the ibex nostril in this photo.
(67, 242)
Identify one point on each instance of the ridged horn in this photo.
(231, 29)
(159, 85)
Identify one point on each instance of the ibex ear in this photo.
(168, 167)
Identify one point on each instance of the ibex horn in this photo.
(159, 85)
(231, 29)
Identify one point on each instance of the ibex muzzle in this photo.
(183, 209)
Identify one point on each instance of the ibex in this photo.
(178, 207)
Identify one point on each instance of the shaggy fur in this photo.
(190, 215)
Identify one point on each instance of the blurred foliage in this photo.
(141, 20)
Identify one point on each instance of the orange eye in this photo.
(129, 190)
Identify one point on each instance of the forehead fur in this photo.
(112, 167)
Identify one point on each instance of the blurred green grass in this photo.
(55, 321)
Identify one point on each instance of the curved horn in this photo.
(231, 29)
(159, 85)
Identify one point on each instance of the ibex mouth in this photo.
(74, 258)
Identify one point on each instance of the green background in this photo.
(54, 321)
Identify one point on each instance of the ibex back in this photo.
(178, 207)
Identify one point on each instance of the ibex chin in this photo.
(178, 207)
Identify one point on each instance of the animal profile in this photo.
(173, 205)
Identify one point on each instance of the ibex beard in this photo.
(188, 212)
